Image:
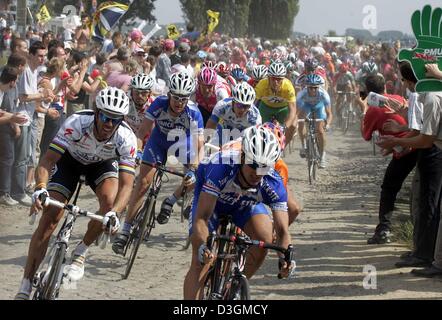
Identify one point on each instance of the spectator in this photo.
(430, 172)
(163, 64)
(28, 95)
(122, 79)
(9, 121)
(400, 166)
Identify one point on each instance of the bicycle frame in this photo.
(44, 280)
(227, 270)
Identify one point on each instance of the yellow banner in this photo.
(43, 14)
(213, 20)
(172, 32)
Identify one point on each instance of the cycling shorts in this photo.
(319, 109)
(239, 218)
(158, 149)
(268, 113)
(67, 172)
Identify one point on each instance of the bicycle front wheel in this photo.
(49, 289)
(240, 289)
(146, 222)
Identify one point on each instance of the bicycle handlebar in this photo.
(247, 242)
(47, 201)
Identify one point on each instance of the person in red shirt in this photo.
(401, 164)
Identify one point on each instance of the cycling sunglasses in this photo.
(180, 98)
(260, 170)
(105, 118)
(141, 92)
(242, 106)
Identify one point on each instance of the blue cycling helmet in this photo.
(201, 54)
(313, 80)
(238, 74)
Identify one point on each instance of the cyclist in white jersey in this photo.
(99, 145)
(140, 98)
(233, 115)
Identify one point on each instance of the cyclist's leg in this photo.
(141, 187)
(106, 189)
(302, 113)
(196, 275)
(257, 224)
(293, 207)
(153, 153)
(320, 132)
(61, 187)
(266, 112)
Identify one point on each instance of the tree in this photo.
(272, 19)
(234, 14)
(332, 33)
(194, 12)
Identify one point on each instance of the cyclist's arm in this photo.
(281, 224)
(125, 186)
(145, 128)
(291, 122)
(46, 165)
(206, 205)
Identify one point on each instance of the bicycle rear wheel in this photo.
(240, 289)
(49, 289)
(146, 222)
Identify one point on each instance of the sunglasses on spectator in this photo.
(106, 118)
(180, 98)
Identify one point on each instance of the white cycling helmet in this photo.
(113, 100)
(243, 93)
(142, 81)
(260, 146)
(182, 83)
(259, 72)
(277, 70)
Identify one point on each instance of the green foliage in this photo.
(265, 18)
(272, 18)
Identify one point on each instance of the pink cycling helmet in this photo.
(207, 76)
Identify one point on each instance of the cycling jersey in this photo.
(224, 114)
(316, 104)
(219, 177)
(76, 135)
(221, 92)
(136, 117)
(168, 128)
(273, 99)
(344, 79)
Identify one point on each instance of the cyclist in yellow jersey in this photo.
(276, 99)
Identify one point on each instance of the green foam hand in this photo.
(427, 28)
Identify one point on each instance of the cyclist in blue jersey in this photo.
(239, 182)
(314, 99)
(178, 131)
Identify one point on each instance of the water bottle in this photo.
(376, 100)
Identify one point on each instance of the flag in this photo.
(43, 14)
(172, 32)
(106, 17)
(213, 20)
